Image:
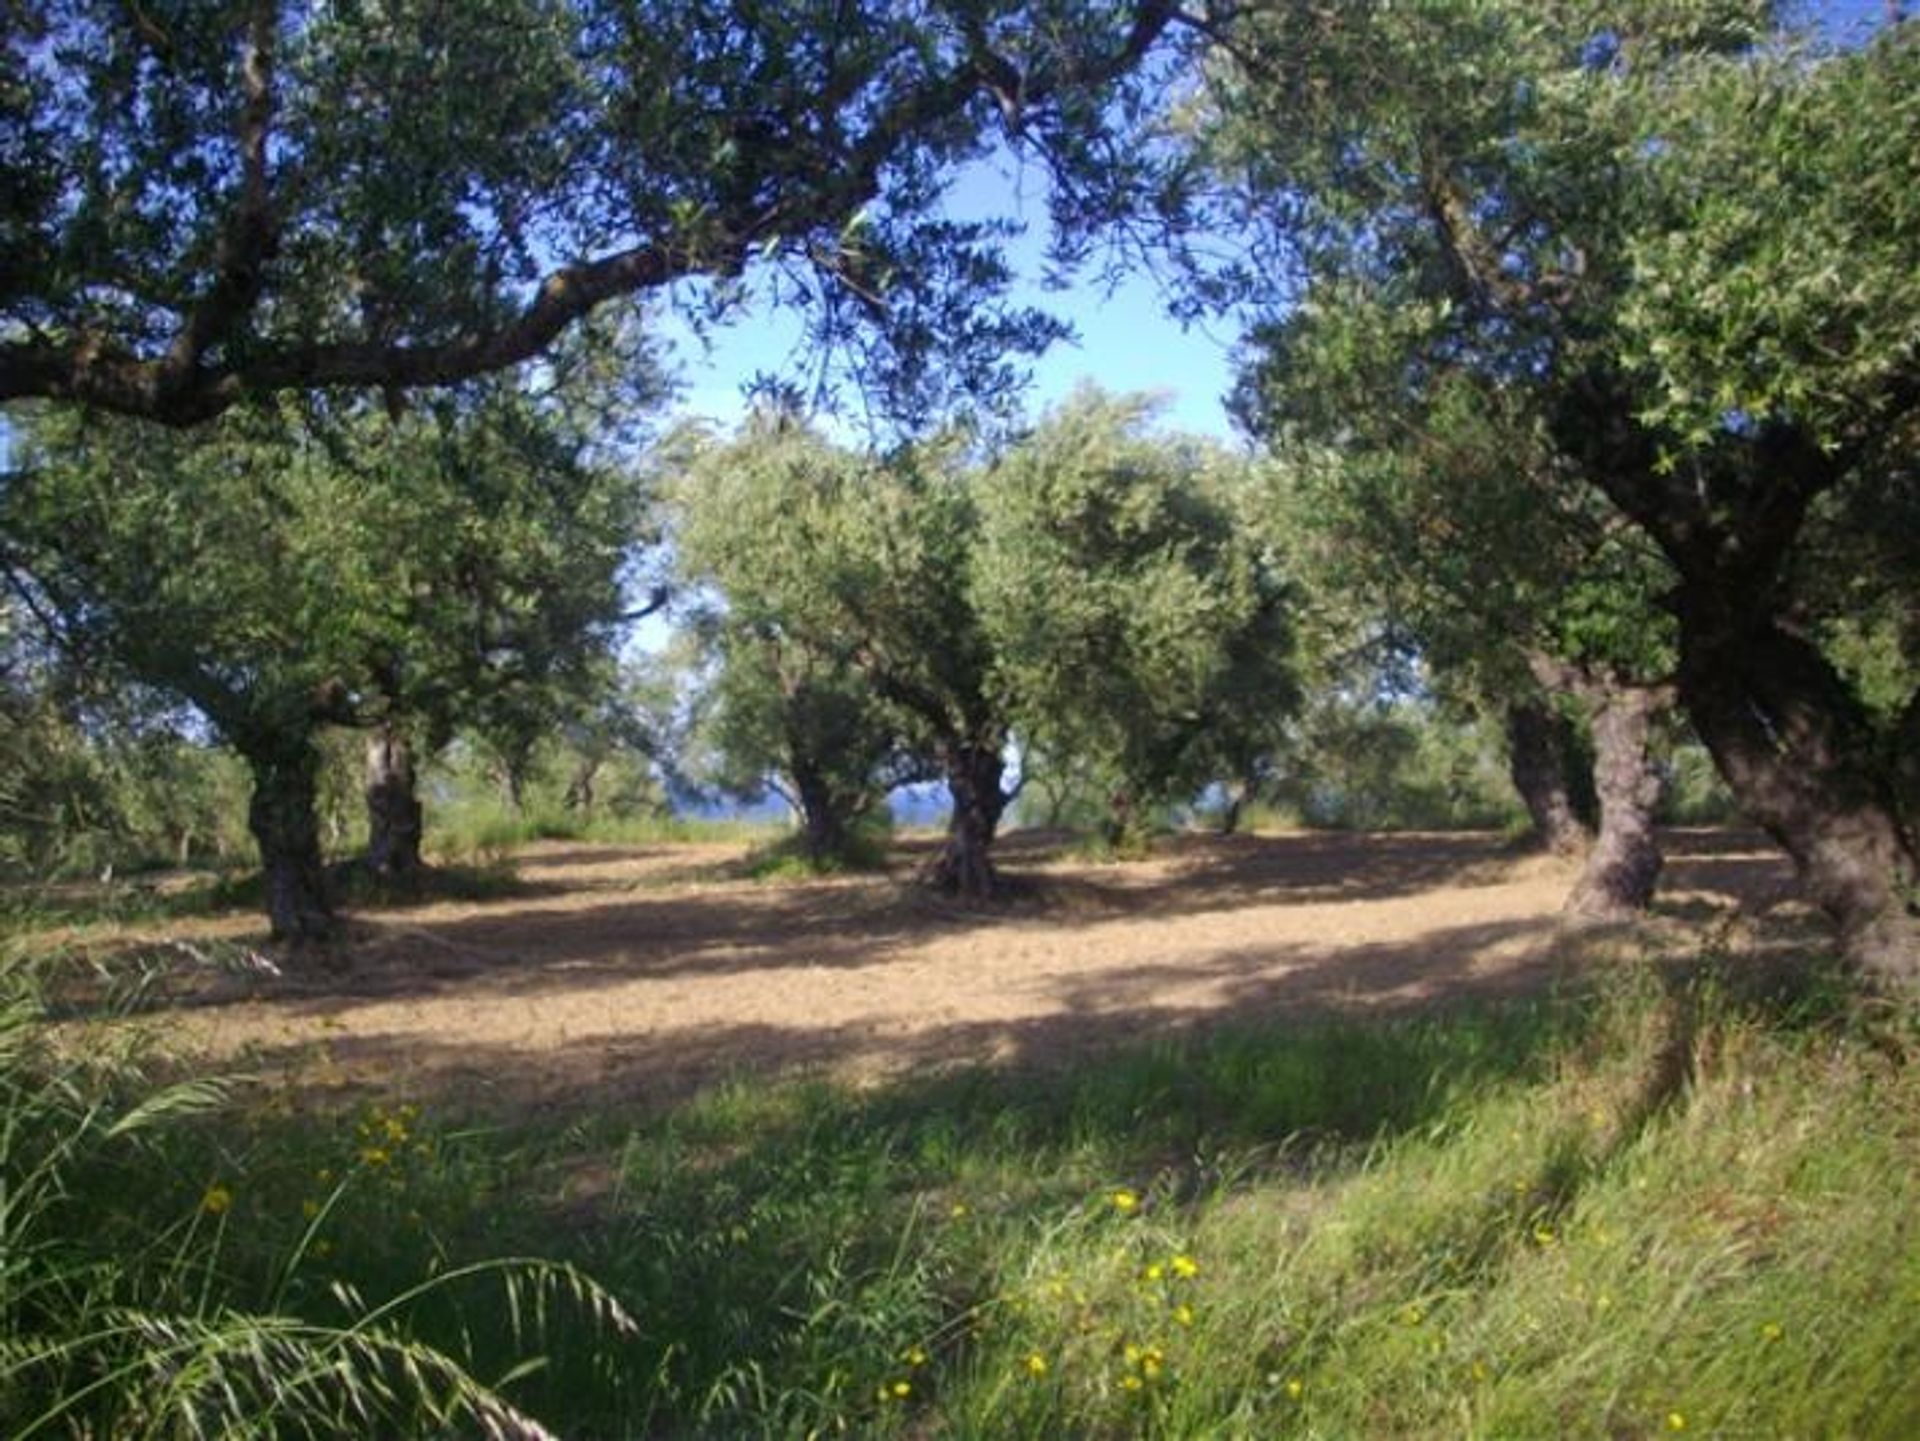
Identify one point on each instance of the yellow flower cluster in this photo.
(216, 1200)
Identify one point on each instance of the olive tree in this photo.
(1687, 242)
(283, 573)
(842, 559)
(1139, 622)
(225, 199)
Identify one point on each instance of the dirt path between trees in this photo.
(639, 973)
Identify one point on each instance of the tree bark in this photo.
(284, 822)
(1796, 749)
(823, 824)
(394, 816)
(1624, 863)
(580, 789)
(964, 867)
(1542, 752)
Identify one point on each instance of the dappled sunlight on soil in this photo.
(635, 974)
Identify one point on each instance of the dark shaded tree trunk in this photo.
(823, 820)
(1797, 751)
(1623, 865)
(1788, 735)
(964, 866)
(283, 818)
(1231, 812)
(394, 817)
(580, 789)
(1543, 753)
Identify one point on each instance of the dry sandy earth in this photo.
(641, 972)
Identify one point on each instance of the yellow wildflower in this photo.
(1185, 1266)
(1036, 1364)
(902, 1389)
(959, 1210)
(374, 1155)
(1772, 1331)
(1183, 1315)
(916, 1356)
(309, 1208)
(1676, 1421)
(1131, 1382)
(1295, 1387)
(1155, 1271)
(1150, 1367)
(1125, 1202)
(216, 1200)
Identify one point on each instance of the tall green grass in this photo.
(487, 833)
(1650, 1213)
(1666, 1206)
(138, 1299)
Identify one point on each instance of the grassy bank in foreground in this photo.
(1653, 1210)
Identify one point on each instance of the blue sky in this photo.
(1124, 341)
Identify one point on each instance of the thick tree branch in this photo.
(248, 242)
(804, 187)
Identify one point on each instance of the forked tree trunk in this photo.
(580, 788)
(283, 818)
(1623, 864)
(1797, 752)
(1542, 751)
(964, 866)
(394, 817)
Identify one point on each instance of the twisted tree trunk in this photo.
(824, 829)
(1624, 862)
(1542, 753)
(1797, 750)
(394, 816)
(283, 818)
(1623, 866)
(973, 775)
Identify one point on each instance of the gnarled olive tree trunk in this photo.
(1543, 751)
(1789, 736)
(825, 823)
(1797, 750)
(284, 820)
(973, 775)
(394, 816)
(1624, 862)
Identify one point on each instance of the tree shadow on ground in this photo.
(1077, 1018)
(575, 939)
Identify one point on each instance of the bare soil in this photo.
(636, 974)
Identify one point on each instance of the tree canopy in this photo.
(1604, 217)
(206, 201)
(1139, 616)
(282, 572)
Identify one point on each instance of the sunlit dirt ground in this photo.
(641, 973)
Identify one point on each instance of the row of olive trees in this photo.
(1600, 361)
(1096, 592)
(1621, 298)
(285, 571)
